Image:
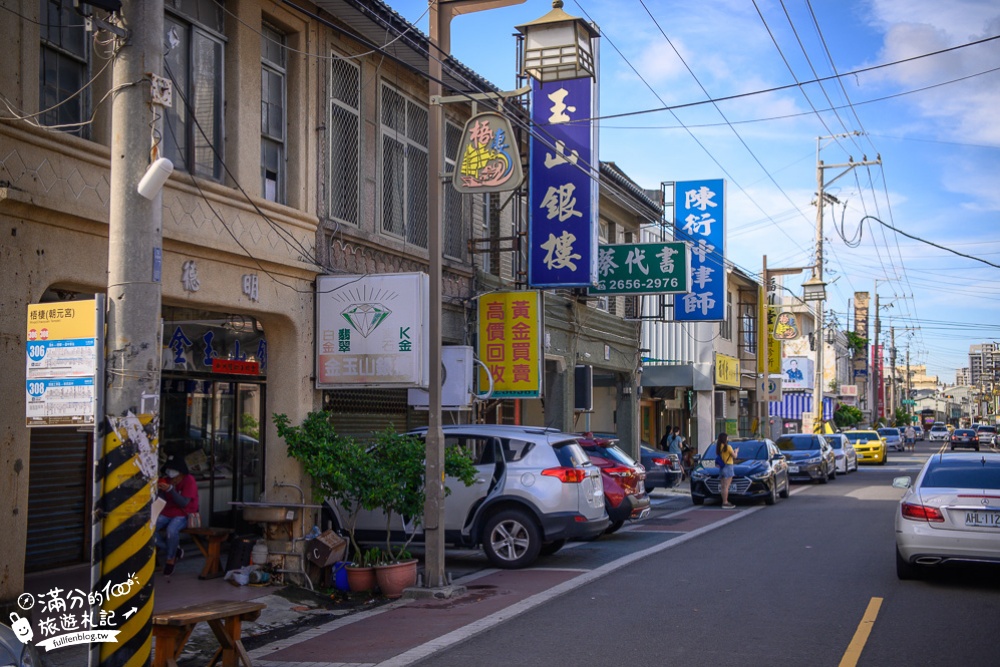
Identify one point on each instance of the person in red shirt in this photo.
(180, 491)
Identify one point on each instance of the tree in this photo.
(847, 416)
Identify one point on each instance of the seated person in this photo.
(180, 491)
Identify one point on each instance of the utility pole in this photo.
(876, 367)
(821, 197)
(892, 371)
(130, 428)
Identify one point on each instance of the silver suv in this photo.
(535, 489)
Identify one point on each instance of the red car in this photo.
(625, 496)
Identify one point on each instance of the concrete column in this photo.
(704, 419)
(242, 148)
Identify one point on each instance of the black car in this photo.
(760, 472)
(810, 457)
(663, 469)
(964, 437)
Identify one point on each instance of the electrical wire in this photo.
(930, 243)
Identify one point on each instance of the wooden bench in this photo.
(172, 629)
(211, 548)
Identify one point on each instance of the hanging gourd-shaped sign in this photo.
(786, 327)
(488, 159)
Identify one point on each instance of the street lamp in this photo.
(814, 289)
(557, 46)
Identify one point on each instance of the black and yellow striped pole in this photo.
(129, 434)
(128, 479)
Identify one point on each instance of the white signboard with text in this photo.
(371, 330)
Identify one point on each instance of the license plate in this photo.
(983, 519)
(793, 468)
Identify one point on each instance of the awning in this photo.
(791, 406)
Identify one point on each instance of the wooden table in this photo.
(172, 629)
(211, 548)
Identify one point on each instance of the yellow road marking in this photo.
(853, 652)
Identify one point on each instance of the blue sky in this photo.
(940, 146)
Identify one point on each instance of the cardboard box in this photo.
(326, 549)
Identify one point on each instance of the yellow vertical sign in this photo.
(510, 332)
(773, 344)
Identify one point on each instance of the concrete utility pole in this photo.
(130, 430)
(440, 14)
(876, 367)
(892, 371)
(821, 196)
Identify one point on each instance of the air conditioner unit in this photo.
(456, 384)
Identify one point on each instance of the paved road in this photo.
(783, 585)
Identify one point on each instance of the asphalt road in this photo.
(783, 585)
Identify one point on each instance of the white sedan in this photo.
(843, 452)
(950, 514)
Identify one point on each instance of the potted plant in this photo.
(400, 491)
(341, 469)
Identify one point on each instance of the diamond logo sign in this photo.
(365, 317)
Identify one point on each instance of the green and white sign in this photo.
(643, 268)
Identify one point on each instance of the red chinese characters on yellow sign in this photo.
(510, 343)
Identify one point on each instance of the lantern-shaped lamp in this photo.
(558, 46)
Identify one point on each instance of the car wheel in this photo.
(511, 539)
(697, 500)
(885, 459)
(785, 491)
(550, 548)
(905, 570)
(824, 477)
(615, 525)
(772, 497)
(833, 473)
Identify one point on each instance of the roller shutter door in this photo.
(360, 412)
(58, 498)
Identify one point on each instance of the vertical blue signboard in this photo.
(562, 227)
(699, 218)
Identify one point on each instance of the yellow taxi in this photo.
(870, 447)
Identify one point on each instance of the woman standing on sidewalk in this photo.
(725, 451)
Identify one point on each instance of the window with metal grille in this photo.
(404, 167)
(64, 68)
(455, 216)
(345, 140)
(194, 61)
(272, 114)
(748, 329)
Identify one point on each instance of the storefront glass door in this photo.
(215, 425)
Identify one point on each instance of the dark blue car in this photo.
(760, 472)
(810, 457)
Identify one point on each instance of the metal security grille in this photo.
(345, 140)
(361, 412)
(455, 229)
(404, 168)
(57, 498)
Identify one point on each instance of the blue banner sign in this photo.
(699, 218)
(562, 217)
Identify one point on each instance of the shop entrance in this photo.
(216, 425)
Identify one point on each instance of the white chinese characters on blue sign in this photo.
(562, 234)
(700, 219)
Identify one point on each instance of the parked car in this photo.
(964, 437)
(625, 496)
(760, 472)
(950, 514)
(13, 652)
(663, 469)
(893, 440)
(810, 457)
(938, 433)
(869, 446)
(987, 435)
(920, 431)
(843, 452)
(536, 488)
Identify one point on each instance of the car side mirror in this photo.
(696, 458)
(902, 482)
